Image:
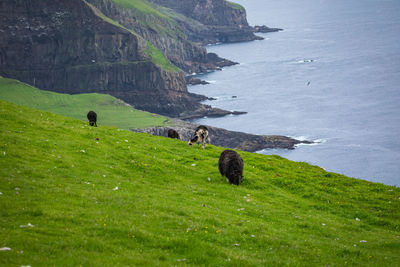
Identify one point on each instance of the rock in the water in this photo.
(265, 29)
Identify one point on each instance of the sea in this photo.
(331, 76)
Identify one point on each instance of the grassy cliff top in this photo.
(110, 110)
(235, 5)
(73, 195)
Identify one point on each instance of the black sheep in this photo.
(173, 134)
(230, 165)
(92, 117)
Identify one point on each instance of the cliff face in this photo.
(164, 33)
(70, 47)
(211, 21)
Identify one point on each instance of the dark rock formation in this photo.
(195, 81)
(229, 139)
(265, 29)
(211, 21)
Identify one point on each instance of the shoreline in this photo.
(226, 138)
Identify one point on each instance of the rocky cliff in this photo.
(70, 47)
(157, 26)
(210, 21)
(113, 47)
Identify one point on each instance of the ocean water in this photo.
(332, 76)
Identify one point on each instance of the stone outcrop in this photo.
(265, 29)
(211, 21)
(228, 139)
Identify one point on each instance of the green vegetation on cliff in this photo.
(149, 16)
(100, 196)
(159, 59)
(110, 110)
(235, 5)
(155, 55)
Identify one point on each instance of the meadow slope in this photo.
(110, 110)
(78, 195)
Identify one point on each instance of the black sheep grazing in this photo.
(200, 136)
(173, 134)
(92, 117)
(230, 165)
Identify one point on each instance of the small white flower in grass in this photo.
(116, 188)
(83, 151)
(27, 225)
(357, 219)
(194, 164)
(25, 266)
(248, 200)
(126, 141)
(4, 153)
(236, 245)
(209, 179)
(1, 193)
(104, 175)
(363, 241)
(323, 224)
(252, 235)
(5, 249)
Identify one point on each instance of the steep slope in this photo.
(71, 47)
(158, 27)
(211, 21)
(68, 199)
(110, 111)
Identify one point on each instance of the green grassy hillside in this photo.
(75, 195)
(110, 111)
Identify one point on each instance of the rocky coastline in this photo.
(225, 138)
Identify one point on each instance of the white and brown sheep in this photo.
(230, 165)
(200, 136)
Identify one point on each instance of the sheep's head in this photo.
(236, 177)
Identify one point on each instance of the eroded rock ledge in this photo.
(228, 139)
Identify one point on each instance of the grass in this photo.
(135, 199)
(235, 5)
(152, 17)
(110, 110)
(159, 58)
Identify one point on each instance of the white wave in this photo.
(304, 138)
(212, 82)
(306, 61)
